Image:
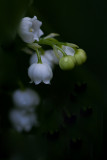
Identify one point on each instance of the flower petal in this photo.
(68, 50)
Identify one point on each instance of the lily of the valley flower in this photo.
(29, 29)
(26, 99)
(22, 120)
(34, 59)
(40, 73)
(48, 58)
(50, 55)
(68, 50)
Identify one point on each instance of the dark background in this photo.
(81, 22)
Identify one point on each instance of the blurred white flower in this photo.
(48, 58)
(23, 120)
(50, 55)
(34, 59)
(26, 99)
(29, 29)
(68, 50)
(40, 73)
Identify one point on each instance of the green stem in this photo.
(22, 87)
(62, 51)
(39, 56)
(52, 44)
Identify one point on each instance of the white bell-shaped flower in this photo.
(50, 55)
(26, 99)
(23, 120)
(40, 73)
(29, 29)
(34, 59)
(68, 50)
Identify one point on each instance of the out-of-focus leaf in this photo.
(10, 14)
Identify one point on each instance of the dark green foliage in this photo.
(10, 13)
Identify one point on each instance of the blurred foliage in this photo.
(10, 14)
(72, 108)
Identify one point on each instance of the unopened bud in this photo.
(80, 56)
(67, 62)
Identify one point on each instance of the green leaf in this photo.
(71, 45)
(51, 35)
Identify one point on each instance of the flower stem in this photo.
(62, 51)
(39, 56)
(22, 87)
(53, 43)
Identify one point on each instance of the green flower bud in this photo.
(80, 56)
(67, 62)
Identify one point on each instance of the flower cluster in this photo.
(23, 116)
(42, 62)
